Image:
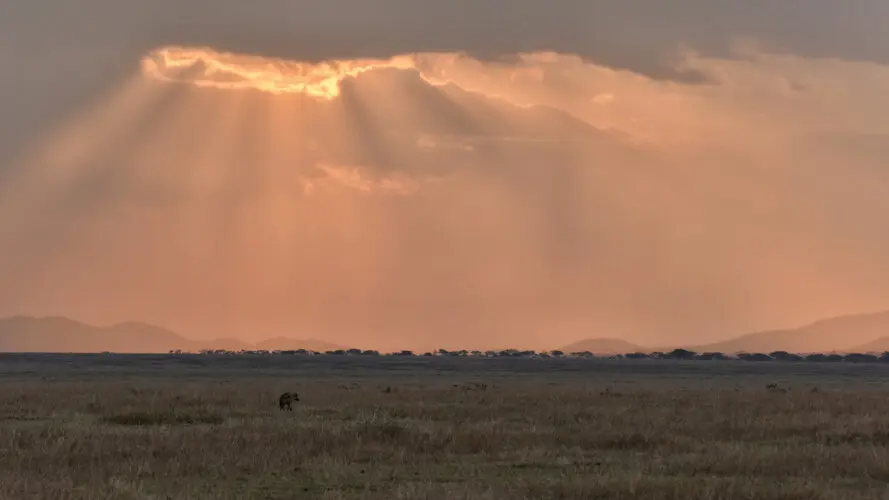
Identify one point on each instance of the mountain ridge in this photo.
(863, 332)
(866, 332)
(23, 333)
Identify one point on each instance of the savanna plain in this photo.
(196, 426)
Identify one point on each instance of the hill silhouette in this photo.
(604, 346)
(847, 333)
(879, 345)
(867, 332)
(60, 334)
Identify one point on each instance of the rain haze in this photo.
(461, 174)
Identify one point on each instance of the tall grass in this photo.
(438, 436)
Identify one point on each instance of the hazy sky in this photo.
(701, 168)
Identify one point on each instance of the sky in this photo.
(469, 174)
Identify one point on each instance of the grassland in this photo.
(195, 427)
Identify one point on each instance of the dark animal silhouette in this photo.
(773, 387)
(286, 400)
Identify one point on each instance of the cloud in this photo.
(67, 55)
(360, 179)
(205, 67)
(632, 34)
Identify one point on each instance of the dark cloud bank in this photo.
(61, 53)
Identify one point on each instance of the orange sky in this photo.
(435, 199)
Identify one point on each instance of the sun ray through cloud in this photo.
(46, 172)
(545, 185)
(61, 152)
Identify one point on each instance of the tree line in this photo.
(675, 354)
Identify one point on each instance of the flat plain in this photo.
(196, 427)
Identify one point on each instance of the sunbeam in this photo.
(430, 197)
(45, 170)
(62, 152)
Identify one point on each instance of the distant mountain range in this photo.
(849, 333)
(59, 334)
(852, 333)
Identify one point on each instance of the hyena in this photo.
(286, 400)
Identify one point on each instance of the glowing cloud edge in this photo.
(206, 67)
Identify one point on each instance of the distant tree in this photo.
(428, 354)
(833, 358)
(637, 355)
(861, 358)
(884, 358)
(405, 353)
(816, 358)
(785, 356)
(680, 354)
(370, 352)
(557, 353)
(712, 356)
(656, 355)
(756, 356)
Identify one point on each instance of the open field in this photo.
(192, 427)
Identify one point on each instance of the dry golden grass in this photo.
(156, 430)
